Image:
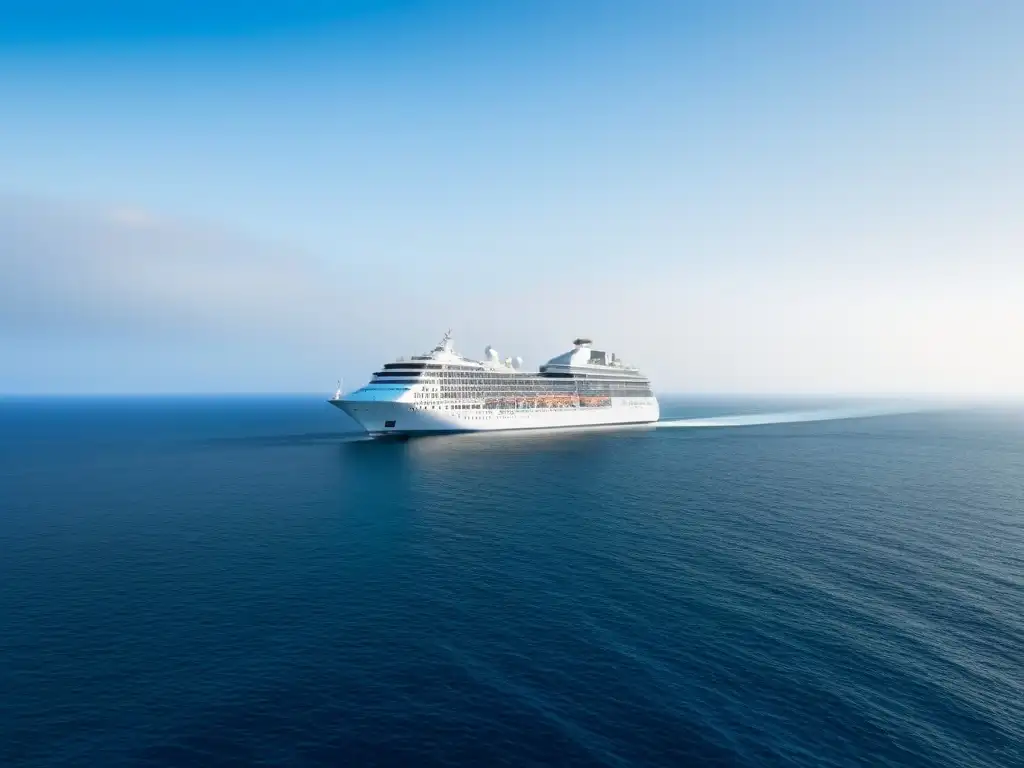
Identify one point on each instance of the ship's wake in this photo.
(786, 417)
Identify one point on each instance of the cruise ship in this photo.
(442, 391)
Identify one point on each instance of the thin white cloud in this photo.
(124, 271)
(99, 285)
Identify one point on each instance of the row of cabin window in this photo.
(558, 384)
(623, 391)
(490, 376)
(513, 384)
(532, 392)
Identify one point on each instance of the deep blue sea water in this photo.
(232, 581)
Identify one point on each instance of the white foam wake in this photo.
(782, 417)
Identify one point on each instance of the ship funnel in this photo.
(491, 354)
(517, 362)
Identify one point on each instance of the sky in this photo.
(738, 197)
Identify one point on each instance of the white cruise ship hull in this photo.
(383, 417)
(442, 391)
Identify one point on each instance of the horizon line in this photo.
(998, 396)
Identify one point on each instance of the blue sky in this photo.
(737, 196)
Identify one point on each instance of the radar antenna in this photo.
(444, 340)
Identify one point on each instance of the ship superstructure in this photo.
(442, 391)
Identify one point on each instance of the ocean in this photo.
(237, 581)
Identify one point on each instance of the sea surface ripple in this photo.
(235, 581)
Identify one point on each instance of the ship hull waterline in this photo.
(390, 418)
